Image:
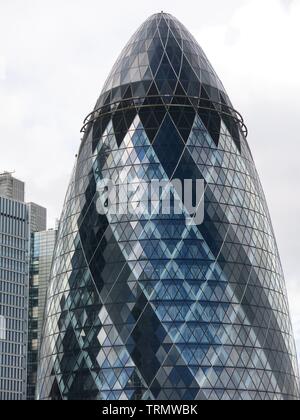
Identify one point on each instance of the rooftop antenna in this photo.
(7, 173)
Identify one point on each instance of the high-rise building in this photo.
(11, 188)
(14, 282)
(154, 306)
(38, 217)
(42, 248)
(16, 226)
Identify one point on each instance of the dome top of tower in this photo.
(164, 56)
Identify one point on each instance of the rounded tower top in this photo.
(164, 56)
(163, 62)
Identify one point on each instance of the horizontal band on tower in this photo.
(139, 102)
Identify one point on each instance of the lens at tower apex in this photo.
(145, 305)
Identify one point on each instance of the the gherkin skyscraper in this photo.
(153, 307)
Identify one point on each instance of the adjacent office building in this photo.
(37, 217)
(149, 306)
(42, 248)
(19, 224)
(14, 288)
(11, 188)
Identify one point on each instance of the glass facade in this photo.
(38, 217)
(11, 187)
(152, 307)
(18, 221)
(42, 248)
(14, 257)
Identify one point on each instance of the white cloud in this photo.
(2, 68)
(58, 54)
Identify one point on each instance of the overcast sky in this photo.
(56, 54)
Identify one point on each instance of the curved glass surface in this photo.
(152, 307)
